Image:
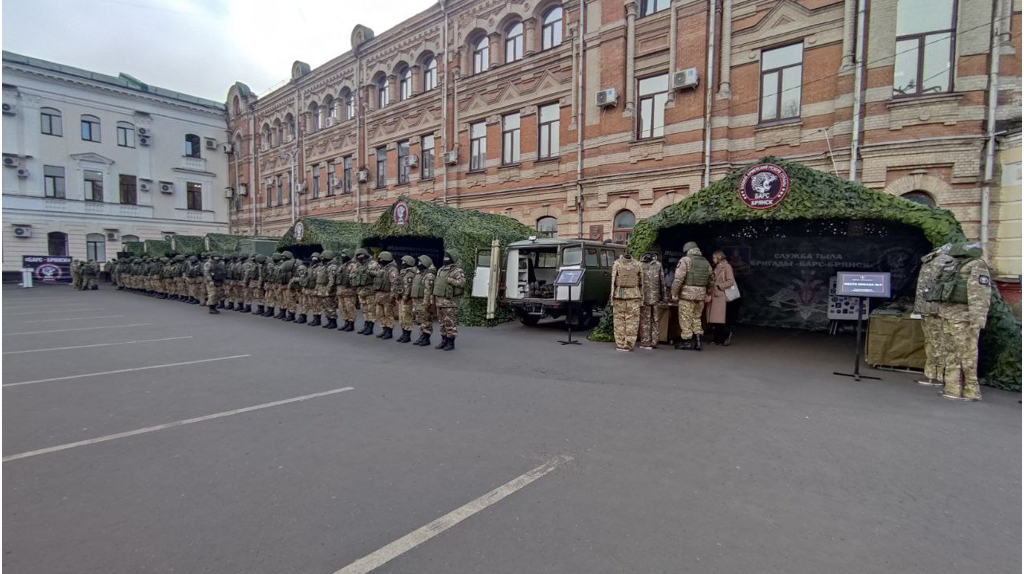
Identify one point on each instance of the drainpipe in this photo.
(252, 167)
(858, 81)
(990, 121)
(359, 134)
(709, 89)
(579, 125)
(444, 102)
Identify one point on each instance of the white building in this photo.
(92, 161)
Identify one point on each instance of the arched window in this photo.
(330, 109)
(288, 129)
(90, 129)
(192, 145)
(547, 227)
(429, 74)
(404, 84)
(315, 119)
(514, 42)
(348, 107)
(238, 148)
(382, 91)
(57, 244)
(622, 226)
(481, 55)
(50, 120)
(279, 134)
(125, 134)
(95, 247)
(237, 106)
(551, 29)
(129, 239)
(267, 136)
(922, 197)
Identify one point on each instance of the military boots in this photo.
(315, 322)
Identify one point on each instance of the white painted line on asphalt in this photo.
(169, 425)
(79, 329)
(57, 311)
(48, 304)
(74, 319)
(97, 345)
(41, 298)
(125, 371)
(406, 543)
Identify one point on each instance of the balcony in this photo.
(193, 163)
(76, 207)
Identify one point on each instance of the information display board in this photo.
(569, 277)
(859, 284)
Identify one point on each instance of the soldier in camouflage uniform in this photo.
(385, 275)
(326, 288)
(194, 274)
(363, 283)
(213, 275)
(231, 281)
(300, 274)
(259, 268)
(314, 303)
(964, 293)
(653, 293)
(626, 296)
(76, 275)
(285, 274)
(448, 288)
(308, 299)
(403, 297)
(693, 279)
(422, 293)
(931, 324)
(347, 296)
(271, 282)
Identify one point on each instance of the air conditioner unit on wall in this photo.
(144, 141)
(11, 161)
(211, 144)
(23, 231)
(166, 187)
(243, 189)
(10, 110)
(113, 235)
(228, 148)
(300, 188)
(22, 173)
(608, 98)
(229, 192)
(362, 176)
(684, 79)
(451, 157)
(412, 161)
(143, 131)
(145, 186)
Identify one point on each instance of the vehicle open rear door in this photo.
(486, 279)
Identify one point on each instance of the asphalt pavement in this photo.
(142, 435)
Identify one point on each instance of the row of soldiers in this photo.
(83, 275)
(409, 291)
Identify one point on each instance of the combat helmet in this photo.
(327, 255)
(426, 261)
(276, 257)
(689, 245)
(260, 258)
(315, 255)
(287, 255)
(408, 261)
(385, 256)
(362, 252)
(452, 254)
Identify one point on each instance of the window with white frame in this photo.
(403, 162)
(481, 55)
(427, 159)
(648, 7)
(510, 139)
(653, 93)
(925, 30)
(514, 42)
(382, 92)
(90, 128)
(404, 84)
(781, 74)
(551, 28)
(95, 247)
(478, 146)
(125, 134)
(547, 227)
(53, 181)
(547, 130)
(50, 122)
(429, 74)
(382, 167)
(93, 181)
(346, 175)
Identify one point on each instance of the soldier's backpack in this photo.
(219, 272)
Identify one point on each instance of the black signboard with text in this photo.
(48, 269)
(855, 284)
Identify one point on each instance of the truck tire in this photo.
(584, 318)
(529, 320)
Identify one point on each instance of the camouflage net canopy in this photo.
(431, 228)
(136, 248)
(814, 195)
(187, 244)
(222, 242)
(322, 234)
(157, 247)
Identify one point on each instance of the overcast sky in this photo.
(200, 47)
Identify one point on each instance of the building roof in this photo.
(123, 80)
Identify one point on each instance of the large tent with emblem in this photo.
(787, 234)
(309, 235)
(412, 227)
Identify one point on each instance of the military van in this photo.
(527, 272)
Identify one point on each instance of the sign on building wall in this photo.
(764, 186)
(46, 269)
(400, 214)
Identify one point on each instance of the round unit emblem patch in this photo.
(764, 186)
(400, 214)
(299, 230)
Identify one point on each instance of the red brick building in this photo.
(487, 104)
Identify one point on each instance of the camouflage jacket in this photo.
(456, 279)
(931, 267)
(345, 277)
(689, 292)
(298, 280)
(323, 278)
(627, 279)
(403, 286)
(979, 296)
(653, 286)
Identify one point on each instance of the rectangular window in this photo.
(510, 139)
(280, 189)
(194, 195)
(270, 194)
(478, 146)
(781, 73)
(648, 7)
(332, 177)
(95, 250)
(316, 182)
(53, 181)
(924, 47)
(403, 162)
(427, 159)
(382, 167)
(90, 129)
(591, 258)
(548, 131)
(346, 175)
(127, 185)
(126, 136)
(50, 121)
(93, 185)
(653, 95)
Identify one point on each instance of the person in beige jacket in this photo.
(722, 279)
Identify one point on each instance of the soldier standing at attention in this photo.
(403, 296)
(297, 286)
(347, 297)
(287, 270)
(385, 275)
(689, 288)
(76, 275)
(626, 295)
(653, 293)
(364, 288)
(213, 274)
(309, 301)
(323, 286)
(964, 289)
(89, 273)
(259, 269)
(195, 280)
(931, 324)
(327, 287)
(448, 288)
(422, 293)
(271, 282)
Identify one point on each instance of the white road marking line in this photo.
(48, 304)
(124, 371)
(56, 311)
(74, 319)
(169, 425)
(41, 298)
(79, 329)
(97, 345)
(406, 543)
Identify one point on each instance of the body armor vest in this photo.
(950, 286)
(700, 272)
(441, 287)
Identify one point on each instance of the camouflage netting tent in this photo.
(157, 247)
(222, 242)
(136, 248)
(321, 234)
(187, 244)
(818, 199)
(430, 228)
